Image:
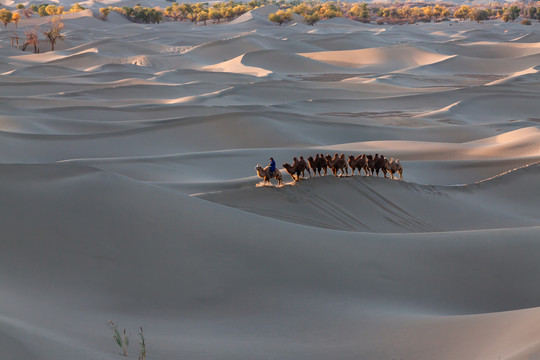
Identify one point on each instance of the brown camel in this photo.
(395, 166)
(265, 174)
(359, 162)
(322, 163)
(379, 164)
(303, 166)
(291, 169)
(337, 163)
(318, 164)
(370, 165)
(313, 164)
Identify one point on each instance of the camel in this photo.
(318, 165)
(337, 163)
(360, 162)
(292, 170)
(395, 166)
(364, 163)
(322, 163)
(265, 174)
(313, 164)
(379, 164)
(370, 165)
(303, 166)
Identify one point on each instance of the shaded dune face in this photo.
(129, 192)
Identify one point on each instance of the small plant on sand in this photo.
(121, 339)
(142, 345)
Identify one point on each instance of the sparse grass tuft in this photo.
(142, 345)
(122, 341)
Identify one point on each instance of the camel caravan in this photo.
(339, 165)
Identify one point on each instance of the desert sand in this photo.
(129, 193)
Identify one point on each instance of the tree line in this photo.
(402, 13)
(311, 12)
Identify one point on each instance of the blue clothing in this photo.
(272, 166)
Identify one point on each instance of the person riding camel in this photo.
(272, 166)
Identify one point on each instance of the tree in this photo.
(478, 15)
(440, 11)
(5, 16)
(511, 13)
(54, 10)
(76, 8)
(28, 13)
(41, 11)
(359, 11)
(215, 14)
(463, 12)
(202, 16)
(311, 19)
(104, 12)
(280, 17)
(20, 6)
(53, 34)
(31, 39)
(16, 18)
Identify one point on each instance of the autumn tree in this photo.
(478, 15)
(359, 11)
(53, 34)
(280, 17)
(54, 10)
(202, 16)
(5, 16)
(311, 19)
(511, 13)
(463, 12)
(76, 8)
(31, 39)
(215, 14)
(104, 12)
(16, 18)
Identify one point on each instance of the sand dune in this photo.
(129, 193)
(378, 59)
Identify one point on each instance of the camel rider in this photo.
(272, 167)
